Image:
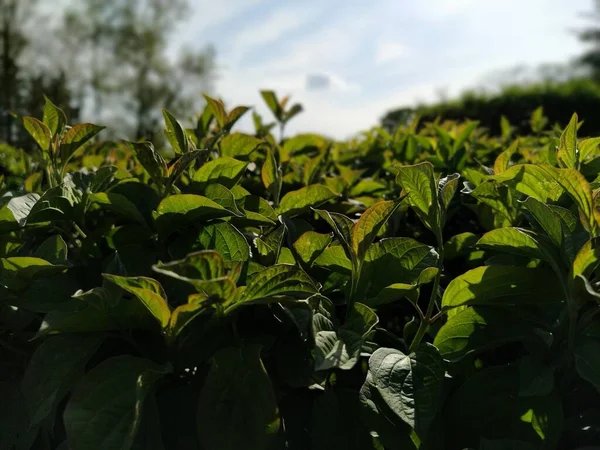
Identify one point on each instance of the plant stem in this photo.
(432, 298)
(79, 230)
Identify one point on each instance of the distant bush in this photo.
(516, 103)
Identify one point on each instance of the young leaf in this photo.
(147, 291)
(310, 245)
(239, 145)
(567, 150)
(53, 117)
(271, 100)
(410, 385)
(75, 138)
(368, 225)
(119, 204)
(271, 176)
(295, 202)
(150, 159)
(218, 110)
(502, 162)
(342, 228)
(281, 279)
(39, 131)
(418, 182)
(110, 397)
(175, 134)
(177, 210)
(225, 170)
(237, 407)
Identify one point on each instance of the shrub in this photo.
(432, 289)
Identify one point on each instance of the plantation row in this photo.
(434, 288)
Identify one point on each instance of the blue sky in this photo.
(378, 54)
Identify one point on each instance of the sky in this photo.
(377, 54)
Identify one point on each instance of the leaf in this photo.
(53, 117)
(548, 219)
(447, 188)
(53, 250)
(476, 329)
(225, 239)
(110, 397)
(334, 258)
(237, 407)
(225, 170)
(119, 204)
(218, 110)
(410, 385)
(531, 180)
(224, 197)
(52, 369)
(75, 138)
(177, 210)
(234, 115)
(150, 159)
(418, 182)
(588, 148)
(271, 100)
(177, 168)
(567, 150)
(281, 279)
(519, 241)
(339, 347)
(271, 176)
(587, 259)
(149, 292)
(497, 197)
(536, 377)
(203, 265)
(296, 202)
(459, 245)
(586, 352)
(310, 245)
(21, 207)
(239, 145)
(342, 228)
(368, 225)
(502, 162)
(39, 131)
(175, 134)
(502, 285)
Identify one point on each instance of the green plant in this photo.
(234, 291)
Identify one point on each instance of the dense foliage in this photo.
(515, 103)
(432, 289)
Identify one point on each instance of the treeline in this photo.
(107, 61)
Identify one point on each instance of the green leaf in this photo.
(75, 138)
(237, 407)
(334, 258)
(368, 225)
(418, 182)
(474, 330)
(177, 210)
(110, 397)
(224, 197)
(519, 241)
(588, 148)
(150, 159)
(459, 245)
(39, 131)
(547, 219)
(175, 134)
(17, 272)
(502, 162)
(310, 245)
(271, 176)
(53, 367)
(183, 315)
(567, 150)
(239, 145)
(225, 170)
(53, 117)
(339, 347)
(281, 279)
(342, 228)
(502, 285)
(218, 110)
(119, 204)
(177, 168)
(225, 239)
(53, 250)
(447, 188)
(149, 292)
(21, 207)
(531, 180)
(410, 385)
(296, 202)
(587, 259)
(497, 197)
(271, 100)
(536, 377)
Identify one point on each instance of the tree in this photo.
(122, 49)
(591, 36)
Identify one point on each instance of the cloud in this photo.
(387, 51)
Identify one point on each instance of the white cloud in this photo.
(387, 51)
